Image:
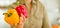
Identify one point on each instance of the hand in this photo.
(22, 21)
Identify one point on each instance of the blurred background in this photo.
(52, 7)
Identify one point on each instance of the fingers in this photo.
(22, 21)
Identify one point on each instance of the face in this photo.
(28, 1)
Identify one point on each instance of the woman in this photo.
(37, 16)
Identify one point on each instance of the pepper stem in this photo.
(17, 2)
(5, 13)
(8, 14)
(13, 26)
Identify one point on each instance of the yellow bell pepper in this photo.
(11, 17)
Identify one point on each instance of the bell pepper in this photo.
(21, 9)
(55, 26)
(11, 17)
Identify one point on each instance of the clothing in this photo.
(37, 17)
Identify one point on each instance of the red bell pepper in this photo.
(21, 9)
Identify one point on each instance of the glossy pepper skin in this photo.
(11, 17)
(21, 9)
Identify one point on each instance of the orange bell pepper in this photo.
(11, 17)
(55, 26)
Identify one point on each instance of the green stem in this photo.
(12, 26)
(9, 14)
(17, 3)
(5, 13)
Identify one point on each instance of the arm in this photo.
(45, 20)
(45, 17)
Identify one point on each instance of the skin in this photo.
(21, 23)
(28, 4)
(27, 1)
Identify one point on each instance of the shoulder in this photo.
(40, 4)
